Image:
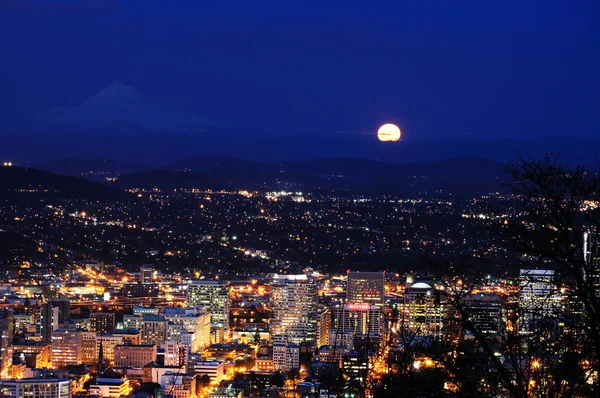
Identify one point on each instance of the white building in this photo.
(214, 297)
(110, 387)
(175, 354)
(36, 388)
(213, 369)
(194, 321)
(286, 357)
(294, 306)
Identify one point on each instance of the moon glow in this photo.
(388, 132)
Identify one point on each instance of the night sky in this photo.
(441, 70)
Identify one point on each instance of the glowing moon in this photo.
(388, 132)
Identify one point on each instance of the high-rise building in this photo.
(423, 310)
(539, 298)
(485, 312)
(153, 329)
(146, 274)
(286, 357)
(195, 321)
(36, 388)
(6, 336)
(65, 348)
(214, 297)
(87, 352)
(366, 288)
(105, 345)
(323, 326)
(64, 310)
(365, 298)
(49, 321)
(140, 289)
(294, 306)
(102, 322)
(591, 255)
(358, 319)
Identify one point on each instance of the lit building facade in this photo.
(134, 356)
(36, 388)
(214, 297)
(195, 321)
(294, 307)
(423, 310)
(102, 322)
(153, 330)
(6, 336)
(286, 357)
(539, 298)
(366, 288)
(65, 348)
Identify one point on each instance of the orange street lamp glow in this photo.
(389, 132)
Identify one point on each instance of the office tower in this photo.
(140, 290)
(591, 255)
(134, 356)
(87, 353)
(366, 288)
(358, 319)
(212, 295)
(49, 321)
(485, 312)
(294, 306)
(102, 322)
(132, 321)
(64, 310)
(365, 298)
(423, 310)
(6, 336)
(153, 329)
(539, 298)
(195, 321)
(65, 348)
(146, 274)
(36, 388)
(323, 326)
(105, 348)
(286, 357)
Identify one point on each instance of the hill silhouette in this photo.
(165, 180)
(40, 183)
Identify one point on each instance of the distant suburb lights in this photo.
(389, 133)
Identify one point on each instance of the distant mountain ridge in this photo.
(40, 183)
(93, 169)
(460, 176)
(165, 180)
(119, 107)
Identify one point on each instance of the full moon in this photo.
(388, 132)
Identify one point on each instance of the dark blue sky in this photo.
(439, 69)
